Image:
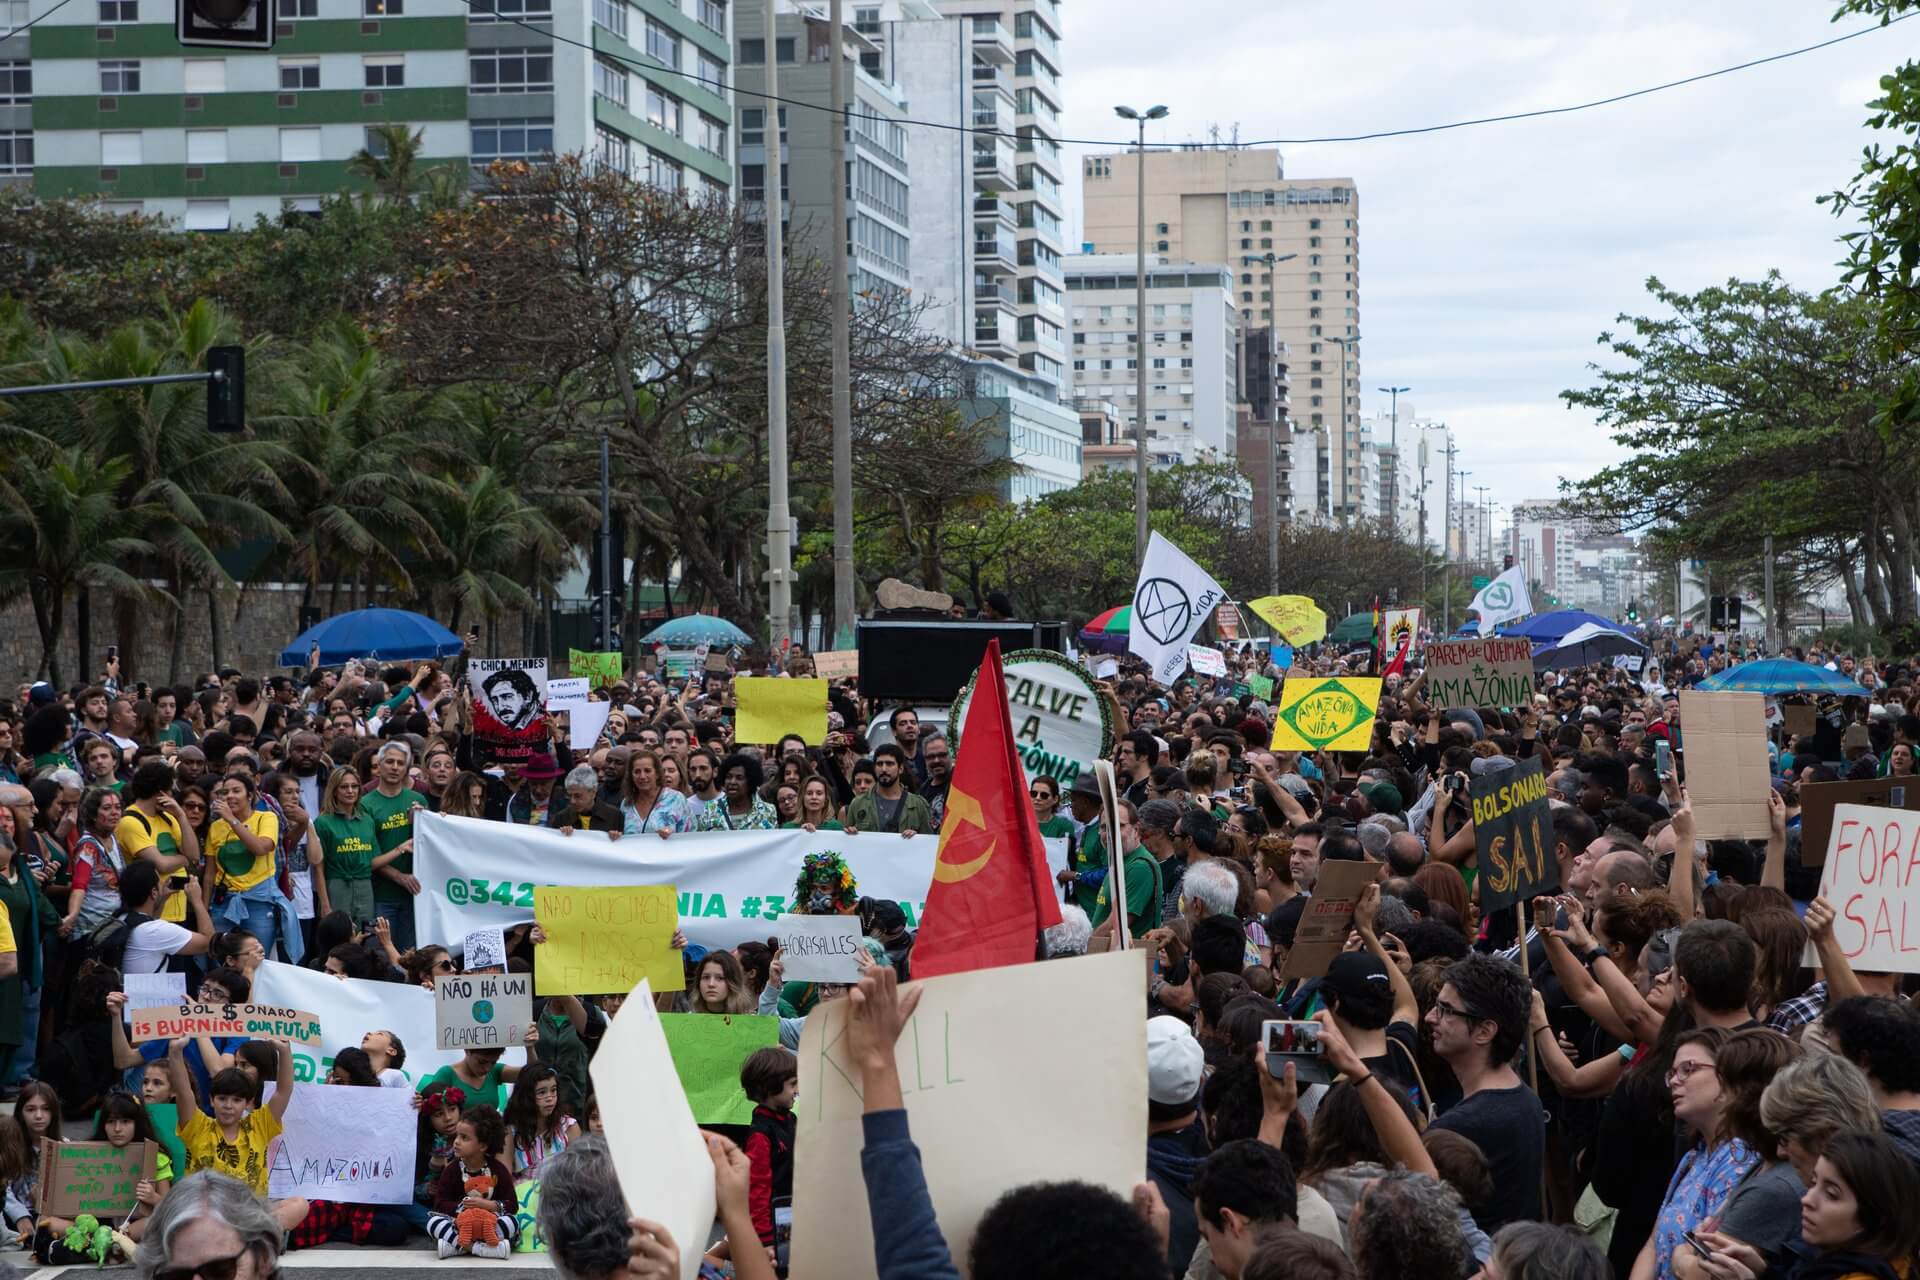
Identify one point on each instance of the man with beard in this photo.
(703, 784)
(512, 697)
(891, 805)
(306, 762)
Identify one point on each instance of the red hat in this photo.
(540, 767)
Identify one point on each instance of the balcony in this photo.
(991, 40)
(989, 209)
(988, 76)
(995, 253)
(986, 291)
(993, 165)
(994, 329)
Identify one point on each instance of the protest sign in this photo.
(600, 941)
(569, 688)
(1629, 662)
(601, 668)
(658, 1153)
(585, 720)
(1399, 633)
(772, 707)
(1328, 918)
(1728, 770)
(153, 990)
(819, 948)
(1871, 873)
(1513, 835)
(837, 664)
(484, 949)
(1297, 618)
(984, 1046)
(1061, 721)
(1226, 618)
(1106, 668)
(1171, 598)
(1261, 687)
(1325, 715)
(196, 1018)
(707, 1051)
(345, 1142)
(1818, 800)
(1206, 661)
(1492, 671)
(509, 695)
(92, 1177)
(482, 1010)
(1801, 719)
(351, 1007)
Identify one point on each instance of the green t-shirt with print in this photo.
(393, 826)
(348, 845)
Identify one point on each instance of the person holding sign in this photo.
(234, 1139)
(123, 1123)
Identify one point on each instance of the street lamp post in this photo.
(1140, 118)
(1395, 393)
(1345, 461)
(1273, 468)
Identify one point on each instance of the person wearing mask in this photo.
(891, 805)
(1478, 1023)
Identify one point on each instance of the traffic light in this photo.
(227, 389)
(1723, 613)
(225, 24)
(1633, 611)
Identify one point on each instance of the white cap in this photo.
(1175, 1061)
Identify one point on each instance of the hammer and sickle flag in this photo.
(992, 893)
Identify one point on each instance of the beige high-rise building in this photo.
(1235, 206)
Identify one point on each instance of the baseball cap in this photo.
(1358, 976)
(42, 694)
(1175, 1061)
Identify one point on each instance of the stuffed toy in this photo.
(476, 1224)
(88, 1236)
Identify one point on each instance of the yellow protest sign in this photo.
(1325, 715)
(771, 707)
(1298, 619)
(602, 668)
(602, 940)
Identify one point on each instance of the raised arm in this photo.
(182, 1082)
(1567, 950)
(1680, 879)
(282, 1081)
(1773, 873)
(1842, 982)
(1390, 1123)
(1588, 1080)
(1406, 1006)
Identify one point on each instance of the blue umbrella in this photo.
(393, 635)
(1782, 675)
(696, 629)
(1584, 645)
(1551, 628)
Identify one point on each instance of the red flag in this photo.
(1398, 667)
(992, 893)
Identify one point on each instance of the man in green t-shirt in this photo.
(1142, 872)
(391, 804)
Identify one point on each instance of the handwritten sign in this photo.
(837, 664)
(152, 990)
(1513, 835)
(1061, 722)
(345, 1142)
(484, 949)
(92, 1177)
(482, 1010)
(1872, 878)
(707, 1052)
(196, 1018)
(601, 668)
(606, 939)
(819, 948)
(1206, 661)
(1325, 715)
(1328, 918)
(1491, 671)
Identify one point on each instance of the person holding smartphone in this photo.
(144, 892)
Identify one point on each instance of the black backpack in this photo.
(108, 941)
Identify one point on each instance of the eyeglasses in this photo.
(1446, 1010)
(211, 1269)
(1683, 1071)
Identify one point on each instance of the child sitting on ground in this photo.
(478, 1141)
(771, 1079)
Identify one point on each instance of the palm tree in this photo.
(485, 530)
(389, 159)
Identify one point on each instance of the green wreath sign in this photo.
(1056, 705)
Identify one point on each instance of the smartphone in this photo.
(1663, 759)
(782, 1234)
(1699, 1247)
(113, 652)
(178, 881)
(1298, 1043)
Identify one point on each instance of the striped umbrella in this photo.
(1782, 675)
(1107, 633)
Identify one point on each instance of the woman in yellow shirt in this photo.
(242, 851)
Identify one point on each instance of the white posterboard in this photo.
(1872, 880)
(345, 1142)
(152, 990)
(482, 1010)
(1008, 1046)
(819, 948)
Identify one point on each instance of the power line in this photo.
(28, 26)
(1122, 145)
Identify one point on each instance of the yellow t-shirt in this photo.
(239, 870)
(244, 1159)
(7, 946)
(137, 833)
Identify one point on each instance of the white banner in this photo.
(348, 1008)
(345, 1142)
(1171, 598)
(732, 885)
(1503, 600)
(1207, 660)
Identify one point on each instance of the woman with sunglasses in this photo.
(210, 1227)
(1045, 794)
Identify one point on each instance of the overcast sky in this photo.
(1491, 258)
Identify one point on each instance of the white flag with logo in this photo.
(1503, 600)
(1170, 601)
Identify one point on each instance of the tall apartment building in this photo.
(1192, 349)
(879, 231)
(1294, 249)
(213, 138)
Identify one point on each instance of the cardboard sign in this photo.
(1872, 878)
(819, 948)
(196, 1018)
(482, 1010)
(1818, 800)
(707, 1050)
(1335, 714)
(599, 940)
(1802, 722)
(345, 1142)
(837, 664)
(1491, 671)
(980, 1049)
(1328, 918)
(772, 707)
(661, 1160)
(1727, 766)
(1513, 835)
(92, 1177)
(509, 701)
(1061, 721)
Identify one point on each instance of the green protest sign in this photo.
(602, 668)
(1262, 687)
(707, 1052)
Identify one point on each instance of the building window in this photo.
(290, 9)
(753, 53)
(205, 75)
(1098, 167)
(710, 135)
(299, 73)
(119, 77)
(299, 146)
(385, 70)
(663, 110)
(207, 215)
(784, 50)
(712, 15)
(382, 8)
(610, 82)
(206, 146)
(663, 44)
(870, 62)
(713, 72)
(511, 140)
(120, 148)
(300, 206)
(612, 149)
(118, 11)
(1313, 224)
(664, 173)
(16, 82)
(510, 71)
(504, 10)
(611, 14)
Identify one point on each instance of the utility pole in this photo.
(1485, 519)
(1446, 546)
(1140, 118)
(843, 603)
(606, 550)
(779, 521)
(1394, 501)
(1767, 587)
